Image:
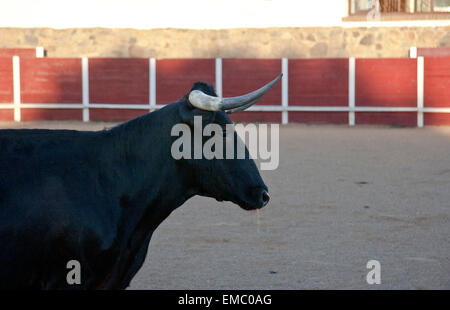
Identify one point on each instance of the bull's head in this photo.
(236, 180)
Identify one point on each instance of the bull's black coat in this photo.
(97, 197)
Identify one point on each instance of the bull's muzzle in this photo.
(264, 198)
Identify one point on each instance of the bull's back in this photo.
(37, 165)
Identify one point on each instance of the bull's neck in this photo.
(152, 184)
(147, 186)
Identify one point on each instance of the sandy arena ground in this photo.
(340, 197)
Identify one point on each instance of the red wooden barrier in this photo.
(21, 52)
(386, 83)
(35, 114)
(114, 115)
(118, 81)
(175, 77)
(437, 89)
(380, 83)
(6, 80)
(50, 80)
(6, 115)
(437, 119)
(240, 76)
(258, 117)
(433, 51)
(318, 82)
(387, 118)
(337, 118)
(6, 88)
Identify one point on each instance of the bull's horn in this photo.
(203, 101)
(236, 102)
(243, 107)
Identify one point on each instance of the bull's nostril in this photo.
(265, 198)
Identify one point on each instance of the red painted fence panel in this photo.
(433, 51)
(21, 52)
(312, 82)
(50, 114)
(240, 76)
(386, 118)
(118, 81)
(437, 119)
(50, 80)
(337, 118)
(385, 83)
(437, 89)
(6, 80)
(6, 115)
(257, 117)
(175, 77)
(6, 88)
(318, 82)
(114, 115)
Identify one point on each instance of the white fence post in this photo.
(351, 90)
(39, 52)
(413, 52)
(16, 88)
(85, 87)
(152, 86)
(285, 91)
(219, 76)
(420, 91)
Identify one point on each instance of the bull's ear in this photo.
(187, 113)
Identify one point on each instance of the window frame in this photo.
(432, 12)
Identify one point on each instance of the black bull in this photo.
(97, 197)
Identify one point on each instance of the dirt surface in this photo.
(340, 197)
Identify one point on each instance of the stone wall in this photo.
(227, 43)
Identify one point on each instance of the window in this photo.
(441, 5)
(399, 6)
